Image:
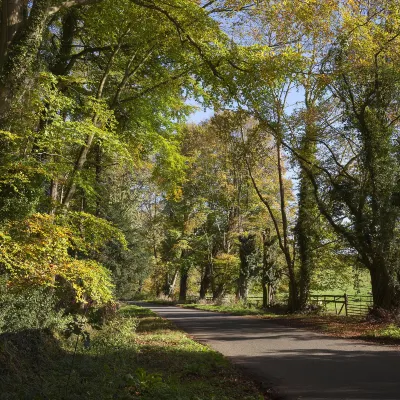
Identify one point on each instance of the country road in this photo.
(296, 363)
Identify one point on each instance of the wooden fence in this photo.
(344, 304)
(339, 304)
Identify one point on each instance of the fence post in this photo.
(346, 302)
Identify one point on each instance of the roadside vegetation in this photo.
(125, 358)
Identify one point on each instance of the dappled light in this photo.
(236, 157)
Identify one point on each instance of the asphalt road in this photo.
(296, 363)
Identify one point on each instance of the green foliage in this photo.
(32, 308)
(39, 251)
(144, 381)
(116, 334)
(118, 362)
(391, 331)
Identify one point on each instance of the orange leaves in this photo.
(39, 249)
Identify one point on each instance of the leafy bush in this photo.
(34, 308)
(116, 334)
(143, 381)
(43, 250)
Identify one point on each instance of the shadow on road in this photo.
(299, 363)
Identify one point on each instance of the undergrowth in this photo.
(136, 355)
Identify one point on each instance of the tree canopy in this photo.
(108, 191)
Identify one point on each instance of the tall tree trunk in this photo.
(247, 251)
(62, 64)
(98, 179)
(21, 53)
(12, 17)
(169, 286)
(305, 237)
(183, 284)
(205, 281)
(385, 287)
(53, 196)
(269, 272)
(293, 302)
(241, 291)
(266, 297)
(306, 229)
(218, 291)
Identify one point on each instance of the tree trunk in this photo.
(21, 54)
(247, 254)
(183, 285)
(293, 293)
(306, 229)
(99, 186)
(169, 285)
(12, 16)
(241, 291)
(385, 291)
(69, 29)
(266, 295)
(218, 291)
(205, 281)
(293, 301)
(53, 196)
(269, 268)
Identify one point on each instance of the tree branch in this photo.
(71, 3)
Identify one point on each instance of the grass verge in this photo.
(234, 309)
(153, 361)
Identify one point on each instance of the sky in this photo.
(200, 115)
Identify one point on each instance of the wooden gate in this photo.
(343, 304)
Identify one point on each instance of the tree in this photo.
(271, 272)
(84, 88)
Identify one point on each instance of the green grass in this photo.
(233, 309)
(390, 332)
(136, 356)
(160, 301)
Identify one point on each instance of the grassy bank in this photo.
(136, 356)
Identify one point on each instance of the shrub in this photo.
(43, 250)
(117, 334)
(32, 308)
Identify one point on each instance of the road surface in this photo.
(296, 363)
